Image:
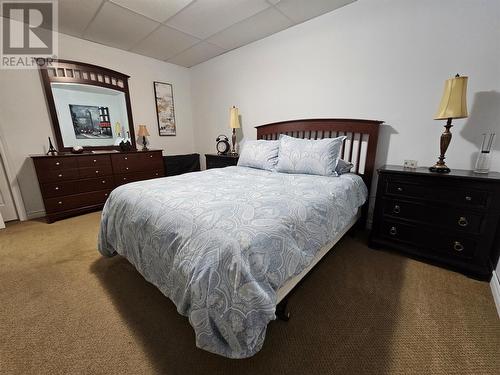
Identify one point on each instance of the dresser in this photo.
(450, 220)
(72, 184)
(220, 161)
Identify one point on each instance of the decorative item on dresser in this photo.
(453, 105)
(451, 219)
(220, 161)
(73, 184)
(143, 132)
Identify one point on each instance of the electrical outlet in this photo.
(411, 164)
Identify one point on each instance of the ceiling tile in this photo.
(118, 27)
(158, 10)
(300, 10)
(75, 15)
(196, 54)
(204, 18)
(262, 24)
(164, 43)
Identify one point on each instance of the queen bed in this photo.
(228, 245)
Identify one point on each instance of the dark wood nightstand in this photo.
(450, 219)
(220, 161)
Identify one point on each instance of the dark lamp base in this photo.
(440, 169)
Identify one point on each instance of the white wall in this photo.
(373, 59)
(25, 122)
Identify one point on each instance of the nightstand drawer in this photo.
(405, 189)
(220, 161)
(452, 218)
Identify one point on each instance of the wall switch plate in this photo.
(411, 164)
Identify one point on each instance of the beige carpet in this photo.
(66, 310)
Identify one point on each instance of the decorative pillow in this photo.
(343, 167)
(259, 154)
(309, 156)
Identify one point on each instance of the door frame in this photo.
(12, 180)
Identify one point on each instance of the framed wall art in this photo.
(165, 114)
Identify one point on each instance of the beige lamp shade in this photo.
(143, 131)
(234, 118)
(453, 103)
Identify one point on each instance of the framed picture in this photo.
(165, 114)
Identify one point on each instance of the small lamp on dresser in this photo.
(143, 132)
(453, 105)
(234, 123)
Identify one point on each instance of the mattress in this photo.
(222, 242)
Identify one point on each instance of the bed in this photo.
(228, 245)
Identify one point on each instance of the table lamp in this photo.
(143, 132)
(234, 123)
(453, 105)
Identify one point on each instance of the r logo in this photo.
(28, 30)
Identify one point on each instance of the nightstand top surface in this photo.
(455, 173)
(224, 156)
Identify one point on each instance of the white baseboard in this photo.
(495, 290)
(35, 214)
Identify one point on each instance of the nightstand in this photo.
(220, 161)
(450, 220)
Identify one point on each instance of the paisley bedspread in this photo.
(221, 242)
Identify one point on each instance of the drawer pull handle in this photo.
(106, 194)
(103, 181)
(399, 189)
(468, 198)
(97, 172)
(463, 221)
(457, 246)
(57, 163)
(126, 168)
(393, 231)
(156, 174)
(396, 209)
(150, 156)
(56, 188)
(60, 202)
(59, 175)
(125, 158)
(95, 161)
(124, 178)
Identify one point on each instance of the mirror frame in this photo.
(67, 71)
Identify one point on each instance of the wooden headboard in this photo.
(359, 148)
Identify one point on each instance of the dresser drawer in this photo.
(57, 175)
(452, 218)
(122, 179)
(137, 162)
(56, 163)
(93, 161)
(57, 189)
(468, 197)
(103, 170)
(429, 241)
(70, 202)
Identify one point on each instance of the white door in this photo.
(7, 208)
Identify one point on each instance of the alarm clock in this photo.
(222, 145)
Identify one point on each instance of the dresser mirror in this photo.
(89, 105)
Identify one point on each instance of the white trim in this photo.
(2, 224)
(14, 185)
(290, 284)
(495, 290)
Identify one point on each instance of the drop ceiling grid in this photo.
(194, 31)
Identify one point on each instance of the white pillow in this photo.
(309, 156)
(343, 167)
(259, 154)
